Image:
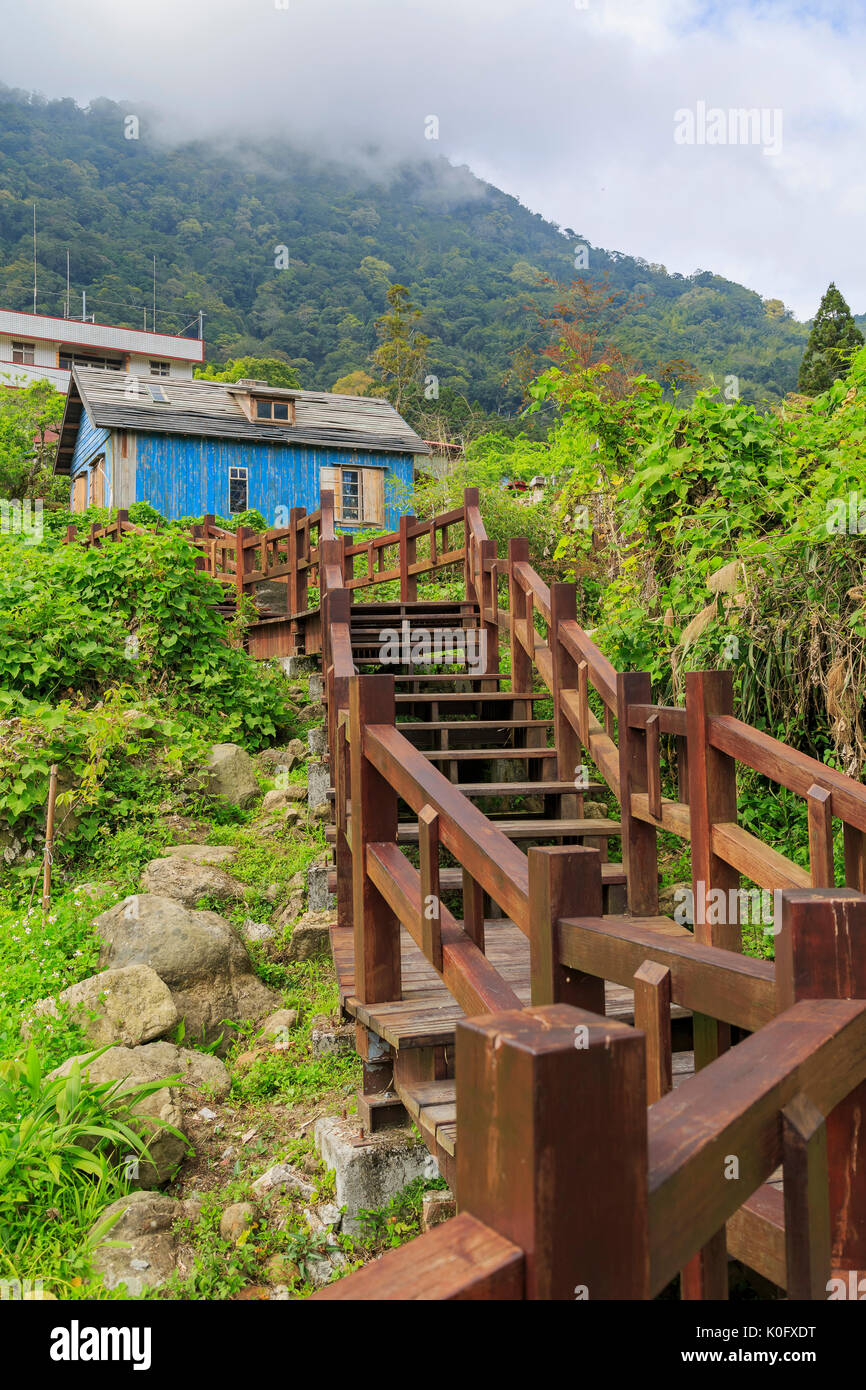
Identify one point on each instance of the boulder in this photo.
(256, 931)
(230, 775)
(283, 796)
(186, 826)
(201, 854)
(277, 1026)
(197, 954)
(595, 810)
(157, 1117)
(281, 1177)
(293, 908)
(131, 1005)
(151, 1249)
(311, 936)
(200, 1071)
(189, 881)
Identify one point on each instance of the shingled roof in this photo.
(211, 410)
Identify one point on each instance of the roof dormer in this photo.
(263, 404)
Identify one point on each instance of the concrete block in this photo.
(295, 666)
(318, 783)
(371, 1171)
(318, 897)
(317, 742)
(315, 688)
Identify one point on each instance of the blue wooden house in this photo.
(194, 447)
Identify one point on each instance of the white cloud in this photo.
(571, 109)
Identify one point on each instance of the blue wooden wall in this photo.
(183, 476)
(89, 444)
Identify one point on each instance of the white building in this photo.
(35, 347)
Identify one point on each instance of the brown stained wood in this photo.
(712, 799)
(521, 666)
(855, 857)
(639, 837)
(465, 831)
(821, 954)
(704, 1278)
(583, 702)
(653, 767)
(431, 903)
(748, 855)
(582, 648)
(562, 882)
(460, 1260)
(652, 1015)
(374, 818)
(819, 803)
(473, 909)
(563, 608)
(732, 1108)
(474, 982)
(674, 815)
(526, 1148)
(756, 1234)
(807, 1207)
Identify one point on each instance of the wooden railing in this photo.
(789, 1093)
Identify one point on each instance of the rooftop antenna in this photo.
(34, 258)
(154, 294)
(66, 314)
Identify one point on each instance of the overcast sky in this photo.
(568, 104)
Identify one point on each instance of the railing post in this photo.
(408, 555)
(821, 954)
(564, 1179)
(374, 818)
(638, 838)
(489, 613)
(338, 707)
(563, 607)
(521, 666)
(712, 799)
(564, 881)
(470, 499)
(240, 561)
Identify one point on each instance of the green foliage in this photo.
(402, 346)
(833, 339)
(27, 416)
(469, 254)
(269, 369)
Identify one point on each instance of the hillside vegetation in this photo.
(471, 256)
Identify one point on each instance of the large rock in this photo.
(149, 1250)
(131, 1005)
(157, 1117)
(189, 881)
(281, 796)
(197, 954)
(230, 775)
(311, 936)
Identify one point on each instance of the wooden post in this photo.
(521, 667)
(431, 899)
(807, 1209)
(821, 954)
(638, 838)
(564, 1179)
(564, 881)
(473, 909)
(712, 799)
(374, 818)
(408, 555)
(48, 854)
(821, 863)
(240, 561)
(652, 1015)
(470, 499)
(563, 607)
(338, 699)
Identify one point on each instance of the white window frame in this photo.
(24, 354)
(238, 474)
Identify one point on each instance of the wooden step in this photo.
(451, 880)
(459, 755)
(456, 697)
(525, 828)
(407, 726)
(483, 790)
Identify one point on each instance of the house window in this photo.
(68, 360)
(238, 490)
(160, 369)
(351, 508)
(359, 494)
(277, 412)
(23, 354)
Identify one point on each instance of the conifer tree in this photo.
(833, 337)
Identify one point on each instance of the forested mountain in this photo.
(216, 217)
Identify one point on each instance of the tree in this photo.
(402, 350)
(269, 369)
(833, 338)
(353, 384)
(28, 419)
